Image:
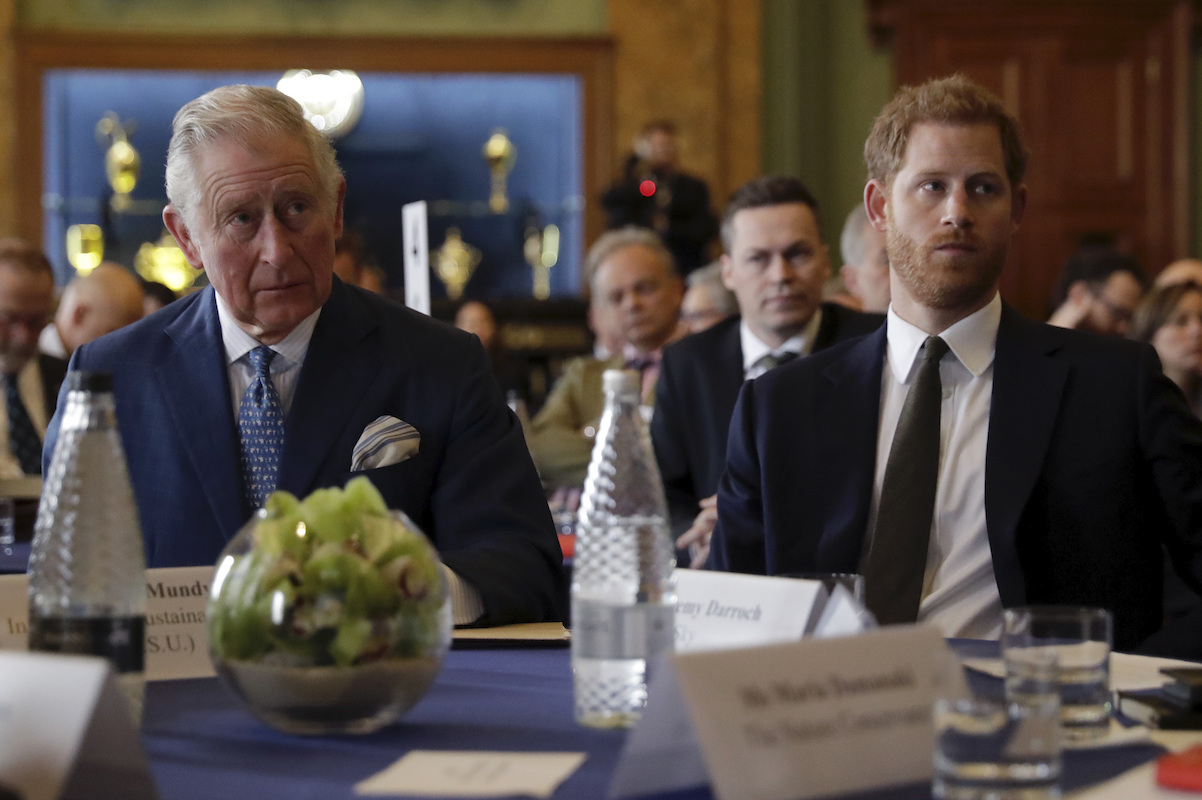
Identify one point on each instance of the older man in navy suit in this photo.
(279, 375)
(963, 458)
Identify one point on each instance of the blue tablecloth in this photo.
(202, 744)
(14, 558)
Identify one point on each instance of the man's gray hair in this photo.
(851, 242)
(611, 242)
(247, 116)
(710, 277)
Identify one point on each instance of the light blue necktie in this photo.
(261, 428)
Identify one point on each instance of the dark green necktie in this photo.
(897, 554)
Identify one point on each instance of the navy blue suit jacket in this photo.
(471, 487)
(1093, 460)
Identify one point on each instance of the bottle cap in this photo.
(621, 380)
(85, 381)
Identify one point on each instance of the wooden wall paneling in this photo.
(588, 58)
(1101, 87)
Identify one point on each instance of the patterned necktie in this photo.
(897, 555)
(23, 439)
(261, 428)
(773, 360)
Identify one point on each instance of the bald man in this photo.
(1183, 271)
(107, 298)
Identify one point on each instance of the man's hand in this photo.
(697, 538)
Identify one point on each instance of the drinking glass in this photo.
(8, 523)
(1002, 750)
(850, 581)
(1081, 639)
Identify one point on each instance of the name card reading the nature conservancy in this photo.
(176, 637)
(726, 609)
(67, 731)
(817, 717)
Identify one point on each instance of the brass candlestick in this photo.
(541, 249)
(499, 153)
(122, 164)
(455, 262)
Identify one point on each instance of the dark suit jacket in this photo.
(53, 370)
(695, 394)
(1093, 460)
(471, 487)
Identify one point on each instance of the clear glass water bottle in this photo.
(87, 568)
(623, 597)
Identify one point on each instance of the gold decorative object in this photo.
(164, 262)
(541, 249)
(122, 164)
(500, 154)
(455, 262)
(85, 247)
(332, 101)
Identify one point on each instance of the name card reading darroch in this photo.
(726, 609)
(176, 636)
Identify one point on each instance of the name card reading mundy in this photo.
(176, 638)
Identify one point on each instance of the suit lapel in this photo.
(202, 415)
(847, 435)
(727, 375)
(1028, 383)
(337, 371)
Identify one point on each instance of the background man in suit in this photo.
(865, 270)
(277, 343)
(107, 298)
(634, 284)
(31, 379)
(1059, 460)
(776, 264)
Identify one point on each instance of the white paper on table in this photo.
(719, 610)
(65, 731)
(177, 640)
(467, 773)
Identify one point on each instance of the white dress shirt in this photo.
(754, 348)
(285, 367)
(960, 594)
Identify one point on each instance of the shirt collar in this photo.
(238, 342)
(973, 340)
(754, 348)
(631, 353)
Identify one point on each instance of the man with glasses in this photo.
(1099, 290)
(31, 381)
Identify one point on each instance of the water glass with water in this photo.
(988, 749)
(8, 522)
(1081, 639)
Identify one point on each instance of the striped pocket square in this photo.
(385, 441)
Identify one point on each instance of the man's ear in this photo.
(876, 202)
(728, 270)
(338, 210)
(175, 223)
(1018, 205)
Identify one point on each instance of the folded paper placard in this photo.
(176, 637)
(67, 731)
(726, 609)
(415, 236)
(807, 719)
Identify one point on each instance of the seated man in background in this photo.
(776, 265)
(963, 458)
(107, 298)
(865, 270)
(706, 300)
(31, 379)
(281, 376)
(1099, 291)
(632, 278)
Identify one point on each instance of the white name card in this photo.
(819, 717)
(67, 731)
(176, 636)
(726, 609)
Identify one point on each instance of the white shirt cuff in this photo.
(466, 605)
